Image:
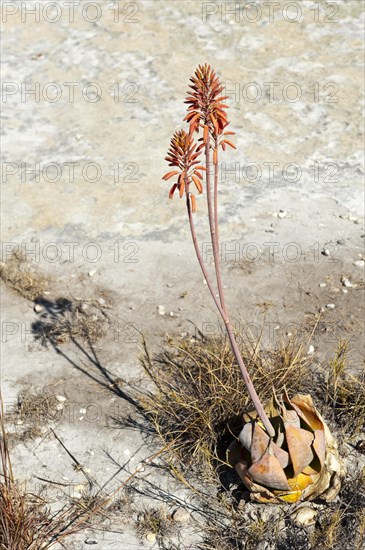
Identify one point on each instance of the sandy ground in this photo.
(82, 196)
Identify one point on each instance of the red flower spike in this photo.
(205, 101)
(184, 154)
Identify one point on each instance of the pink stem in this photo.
(246, 377)
(213, 221)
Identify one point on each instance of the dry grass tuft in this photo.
(242, 532)
(343, 522)
(153, 521)
(60, 320)
(196, 406)
(26, 520)
(38, 406)
(17, 274)
(33, 410)
(343, 394)
(64, 320)
(201, 396)
(339, 526)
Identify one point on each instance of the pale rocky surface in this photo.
(276, 273)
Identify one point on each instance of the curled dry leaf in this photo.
(300, 463)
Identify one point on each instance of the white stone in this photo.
(181, 515)
(359, 263)
(310, 350)
(330, 306)
(305, 516)
(61, 398)
(161, 310)
(151, 537)
(92, 272)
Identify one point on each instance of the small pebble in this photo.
(38, 308)
(169, 285)
(59, 407)
(282, 214)
(326, 252)
(345, 291)
(330, 306)
(161, 310)
(322, 285)
(205, 282)
(82, 411)
(305, 516)
(92, 273)
(61, 398)
(359, 263)
(347, 283)
(181, 515)
(171, 314)
(341, 241)
(310, 350)
(184, 334)
(151, 537)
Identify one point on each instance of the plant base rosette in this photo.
(300, 463)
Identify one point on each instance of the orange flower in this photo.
(184, 154)
(205, 102)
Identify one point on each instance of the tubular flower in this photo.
(206, 107)
(184, 154)
(300, 463)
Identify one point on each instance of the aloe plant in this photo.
(283, 450)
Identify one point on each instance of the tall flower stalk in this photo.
(207, 116)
